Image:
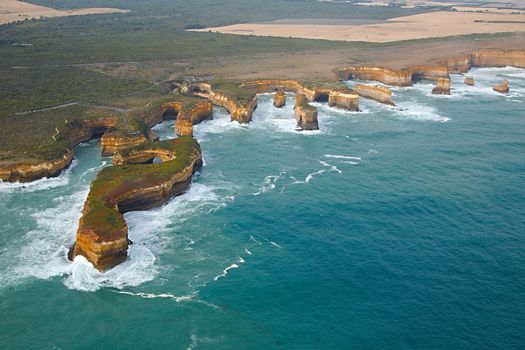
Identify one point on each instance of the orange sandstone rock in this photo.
(442, 87)
(503, 87)
(279, 100)
(469, 81)
(305, 114)
(378, 93)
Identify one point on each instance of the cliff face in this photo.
(459, 64)
(279, 100)
(382, 75)
(239, 112)
(102, 235)
(187, 116)
(31, 172)
(343, 99)
(429, 72)
(378, 93)
(442, 87)
(305, 115)
(498, 58)
(111, 142)
(503, 87)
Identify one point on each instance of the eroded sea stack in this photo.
(469, 81)
(503, 87)
(279, 100)
(102, 235)
(442, 87)
(305, 115)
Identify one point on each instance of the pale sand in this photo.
(427, 25)
(14, 10)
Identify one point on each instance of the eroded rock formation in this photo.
(498, 58)
(442, 87)
(377, 93)
(239, 102)
(305, 114)
(189, 114)
(429, 72)
(469, 81)
(341, 96)
(503, 87)
(102, 235)
(279, 99)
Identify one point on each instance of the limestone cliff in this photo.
(378, 93)
(31, 172)
(279, 99)
(434, 72)
(305, 114)
(102, 235)
(239, 102)
(498, 58)
(503, 87)
(458, 64)
(189, 114)
(382, 75)
(442, 87)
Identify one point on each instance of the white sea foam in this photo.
(231, 267)
(332, 167)
(417, 111)
(247, 251)
(336, 156)
(43, 251)
(275, 244)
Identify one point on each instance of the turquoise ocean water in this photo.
(393, 228)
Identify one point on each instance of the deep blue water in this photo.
(388, 229)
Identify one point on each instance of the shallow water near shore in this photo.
(390, 228)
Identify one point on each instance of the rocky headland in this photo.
(102, 235)
(116, 131)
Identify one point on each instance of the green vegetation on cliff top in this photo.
(115, 181)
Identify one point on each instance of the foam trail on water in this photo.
(231, 267)
(335, 156)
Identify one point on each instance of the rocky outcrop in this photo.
(469, 81)
(102, 235)
(442, 87)
(305, 115)
(382, 75)
(343, 99)
(189, 114)
(112, 141)
(380, 94)
(279, 99)
(503, 87)
(342, 96)
(31, 172)
(238, 102)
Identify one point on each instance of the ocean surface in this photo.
(391, 228)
